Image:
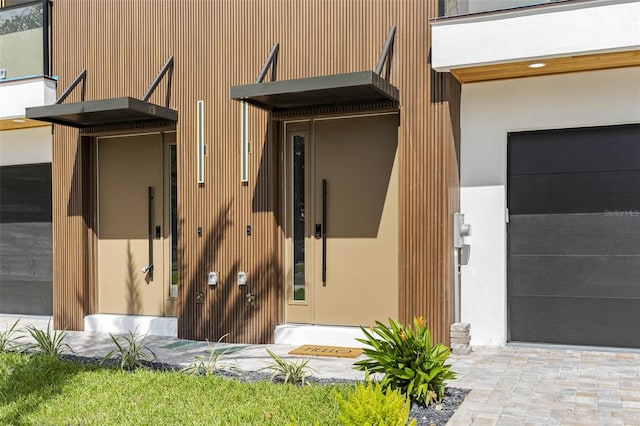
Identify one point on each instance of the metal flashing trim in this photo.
(101, 112)
(331, 90)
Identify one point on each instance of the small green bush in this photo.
(291, 372)
(48, 342)
(407, 360)
(369, 405)
(130, 351)
(8, 339)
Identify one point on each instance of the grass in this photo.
(37, 390)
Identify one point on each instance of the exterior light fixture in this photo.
(200, 136)
(536, 65)
(244, 143)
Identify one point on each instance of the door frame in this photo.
(297, 311)
(168, 137)
(304, 311)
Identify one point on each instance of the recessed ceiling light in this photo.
(19, 120)
(537, 65)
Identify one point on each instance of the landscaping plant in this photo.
(48, 342)
(130, 351)
(292, 372)
(370, 405)
(8, 339)
(211, 365)
(407, 359)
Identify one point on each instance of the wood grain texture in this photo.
(217, 44)
(553, 66)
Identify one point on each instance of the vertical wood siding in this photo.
(217, 44)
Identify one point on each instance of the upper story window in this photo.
(468, 7)
(25, 47)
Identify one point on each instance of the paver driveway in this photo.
(523, 385)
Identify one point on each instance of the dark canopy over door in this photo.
(574, 236)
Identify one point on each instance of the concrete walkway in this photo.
(510, 385)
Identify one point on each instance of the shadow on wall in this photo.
(225, 308)
(267, 177)
(134, 304)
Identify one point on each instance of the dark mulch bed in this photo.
(433, 415)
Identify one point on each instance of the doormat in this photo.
(334, 351)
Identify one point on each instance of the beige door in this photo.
(127, 168)
(348, 257)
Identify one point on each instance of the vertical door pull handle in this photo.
(324, 232)
(148, 269)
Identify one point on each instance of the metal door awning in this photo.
(337, 89)
(330, 90)
(105, 112)
(102, 112)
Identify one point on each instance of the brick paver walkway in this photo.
(532, 386)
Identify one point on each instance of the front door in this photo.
(342, 205)
(134, 224)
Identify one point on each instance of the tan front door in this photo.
(131, 193)
(342, 242)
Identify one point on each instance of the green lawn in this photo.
(40, 391)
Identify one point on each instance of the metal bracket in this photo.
(82, 77)
(167, 68)
(386, 56)
(272, 61)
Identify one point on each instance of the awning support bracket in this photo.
(272, 61)
(386, 56)
(167, 68)
(82, 77)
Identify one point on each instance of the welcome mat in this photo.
(335, 351)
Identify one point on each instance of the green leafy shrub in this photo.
(370, 405)
(9, 340)
(291, 372)
(407, 359)
(48, 342)
(212, 364)
(130, 351)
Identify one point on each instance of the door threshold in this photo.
(313, 334)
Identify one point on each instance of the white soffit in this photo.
(548, 31)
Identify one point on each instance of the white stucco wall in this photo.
(488, 112)
(557, 30)
(16, 95)
(25, 146)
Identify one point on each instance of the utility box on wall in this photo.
(460, 231)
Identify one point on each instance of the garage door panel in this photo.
(575, 321)
(575, 150)
(27, 297)
(575, 234)
(596, 192)
(579, 276)
(26, 247)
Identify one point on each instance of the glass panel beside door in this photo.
(298, 216)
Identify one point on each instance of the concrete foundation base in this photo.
(307, 334)
(139, 324)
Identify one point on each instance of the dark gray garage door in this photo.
(25, 239)
(574, 236)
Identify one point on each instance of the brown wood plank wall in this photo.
(216, 44)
